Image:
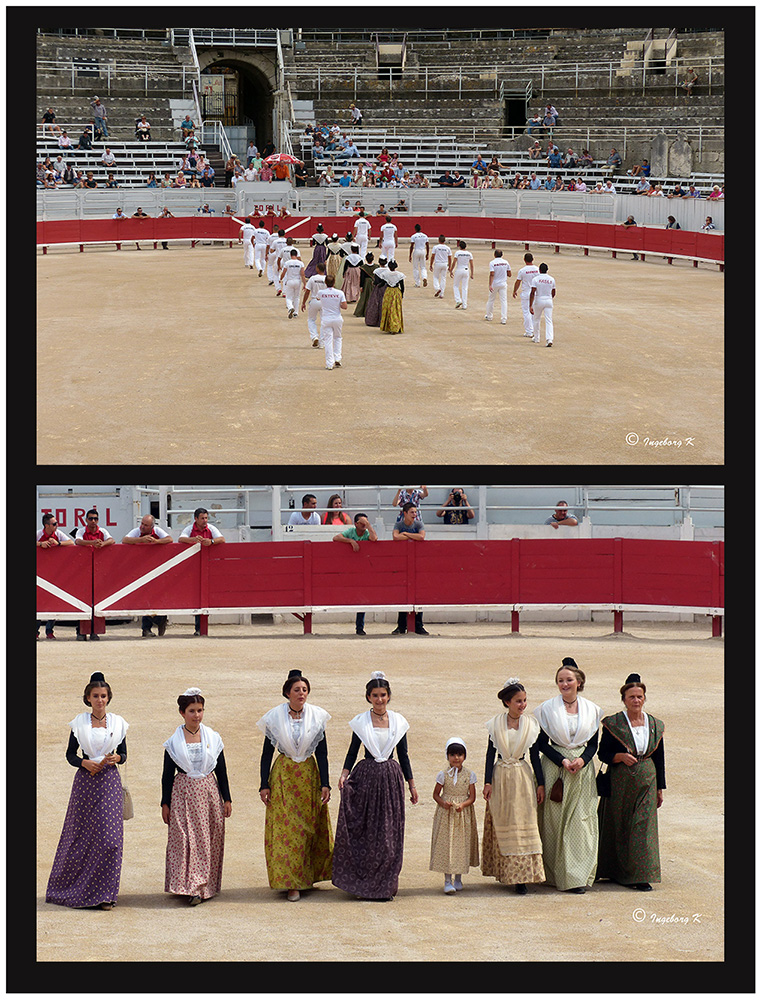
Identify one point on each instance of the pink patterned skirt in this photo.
(196, 841)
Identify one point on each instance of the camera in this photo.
(457, 496)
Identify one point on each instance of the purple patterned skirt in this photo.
(318, 257)
(88, 861)
(370, 830)
(375, 302)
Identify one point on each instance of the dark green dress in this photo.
(628, 845)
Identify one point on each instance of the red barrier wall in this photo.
(126, 579)
(666, 241)
(69, 570)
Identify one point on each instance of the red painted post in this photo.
(618, 621)
(203, 626)
(514, 621)
(308, 623)
(411, 621)
(716, 626)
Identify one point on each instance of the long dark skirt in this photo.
(318, 257)
(628, 850)
(375, 302)
(365, 291)
(88, 861)
(370, 830)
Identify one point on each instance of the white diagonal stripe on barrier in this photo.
(147, 577)
(57, 592)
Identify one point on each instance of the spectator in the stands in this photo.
(251, 152)
(585, 160)
(457, 180)
(111, 182)
(534, 122)
(642, 169)
(479, 166)
(561, 516)
(608, 187)
(143, 129)
(64, 141)
(672, 223)
(643, 186)
(445, 179)
(678, 191)
(717, 193)
(179, 181)
(613, 161)
(186, 126)
(207, 176)
(49, 122)
(99, 117)
(308, 514)
(108, 159)
(90, 181)
(692, 192)
(535, 151)
(166, 181)
(690, 81)
(86, 139)
(656, 191)
(708, 225)
(554, 158)
(151, 182)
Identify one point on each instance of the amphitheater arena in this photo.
(635, 373)
(445, 685)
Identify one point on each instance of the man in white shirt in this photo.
(499, 273)
(246, 234)
(308, 514)
(275, 244)
(388, 238)
(259, 240)
(332, 300)
(292, 280)
(314, 285)
(461, 269)
(50, 537)
(524, 278)
(362, 233)
(419, 253)
(147, 533)
(108, 159)
(440, 263)
(541, 297)
(609, 188)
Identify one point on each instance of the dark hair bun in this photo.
(294, 673)
(97, 676)
(633, 679)
(569, 661)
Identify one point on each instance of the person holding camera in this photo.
(459, 512)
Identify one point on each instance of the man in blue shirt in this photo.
(360, 531)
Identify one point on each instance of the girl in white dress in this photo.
(454, 834)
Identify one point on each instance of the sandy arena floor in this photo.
(189, 349)
(445, 685)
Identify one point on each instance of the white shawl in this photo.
(82, 729)
(554, 719)
(380, 742)
(393, 278)
(512, 744)
(177, 749)
(276, 725)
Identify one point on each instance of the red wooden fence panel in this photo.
(64, 583)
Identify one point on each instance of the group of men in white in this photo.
(277, 254)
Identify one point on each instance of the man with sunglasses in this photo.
(50, 537)
(92, 534)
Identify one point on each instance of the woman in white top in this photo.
(88, 861)
(370, 829)
(195, 802)
(298, 835)
(568, 740)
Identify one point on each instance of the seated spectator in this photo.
(79, 179)
(166, 181)
(550, 112)
(479, 166)
(597, 189)
(335, 515)
(580, 185)
(90, 181)
(656, 191)
(49, 122)
(457, 180)
(194, 182)
(534, 182)
(143, 129)
(717, 193)
(205, 210)
(561, 516)
(445, 180)
(237, 177)
(495, 166)
(613, 161)
(350, 149)
(585, 160)
(283, 213)
(554, 158)
(201, 163)
(64, 142)
(192, 141)
(229, 210)
(536, 121)
(118, 214)
(399, 207)
(515, 181)
(569, 159)
(672, 223)
(642, 169)
(308, 514)
(108, 159)
(151, 183)
(383, 156)
(692, 192)
(643, 186)
(690, 81)
(59, 166)
(559, 184)
(459, 511)
(207, 176)
(179, 181)
(111, 182)
(327, 178)
(708, 225)
(608, 187)
(186, 126)
(548, 121)
(345, 180)
(535, 151)
(440, 210)
(86, 139)
(678, 191)
(549, 183)
(250, 174)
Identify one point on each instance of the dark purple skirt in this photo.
(318, 257)
(370, 830)
(373, 308)
(88, 861)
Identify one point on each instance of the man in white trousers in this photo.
(419, 254)
(362, 233)
(499, 273)
(524, 279)
(259, 240)
(389, 239)
(292, 279)
(461, 269)
(282, 256)
(274, 243)
(332, 300)
(314, 284)
(439, 263)
(246, 233)
(541, 304)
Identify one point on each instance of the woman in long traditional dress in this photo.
(511, 845)
(370, 829)
(295, 789)
(333, 256)
(632, 747)
(376, 297)
(366, 284)
(318, 241)
(391, 309)
(195, 802)
(88, 861)
(350, 285)
(568, 740)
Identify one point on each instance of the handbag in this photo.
(603, 783)
(557, 791)
(127, 808)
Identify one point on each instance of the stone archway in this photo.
(255, 86)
